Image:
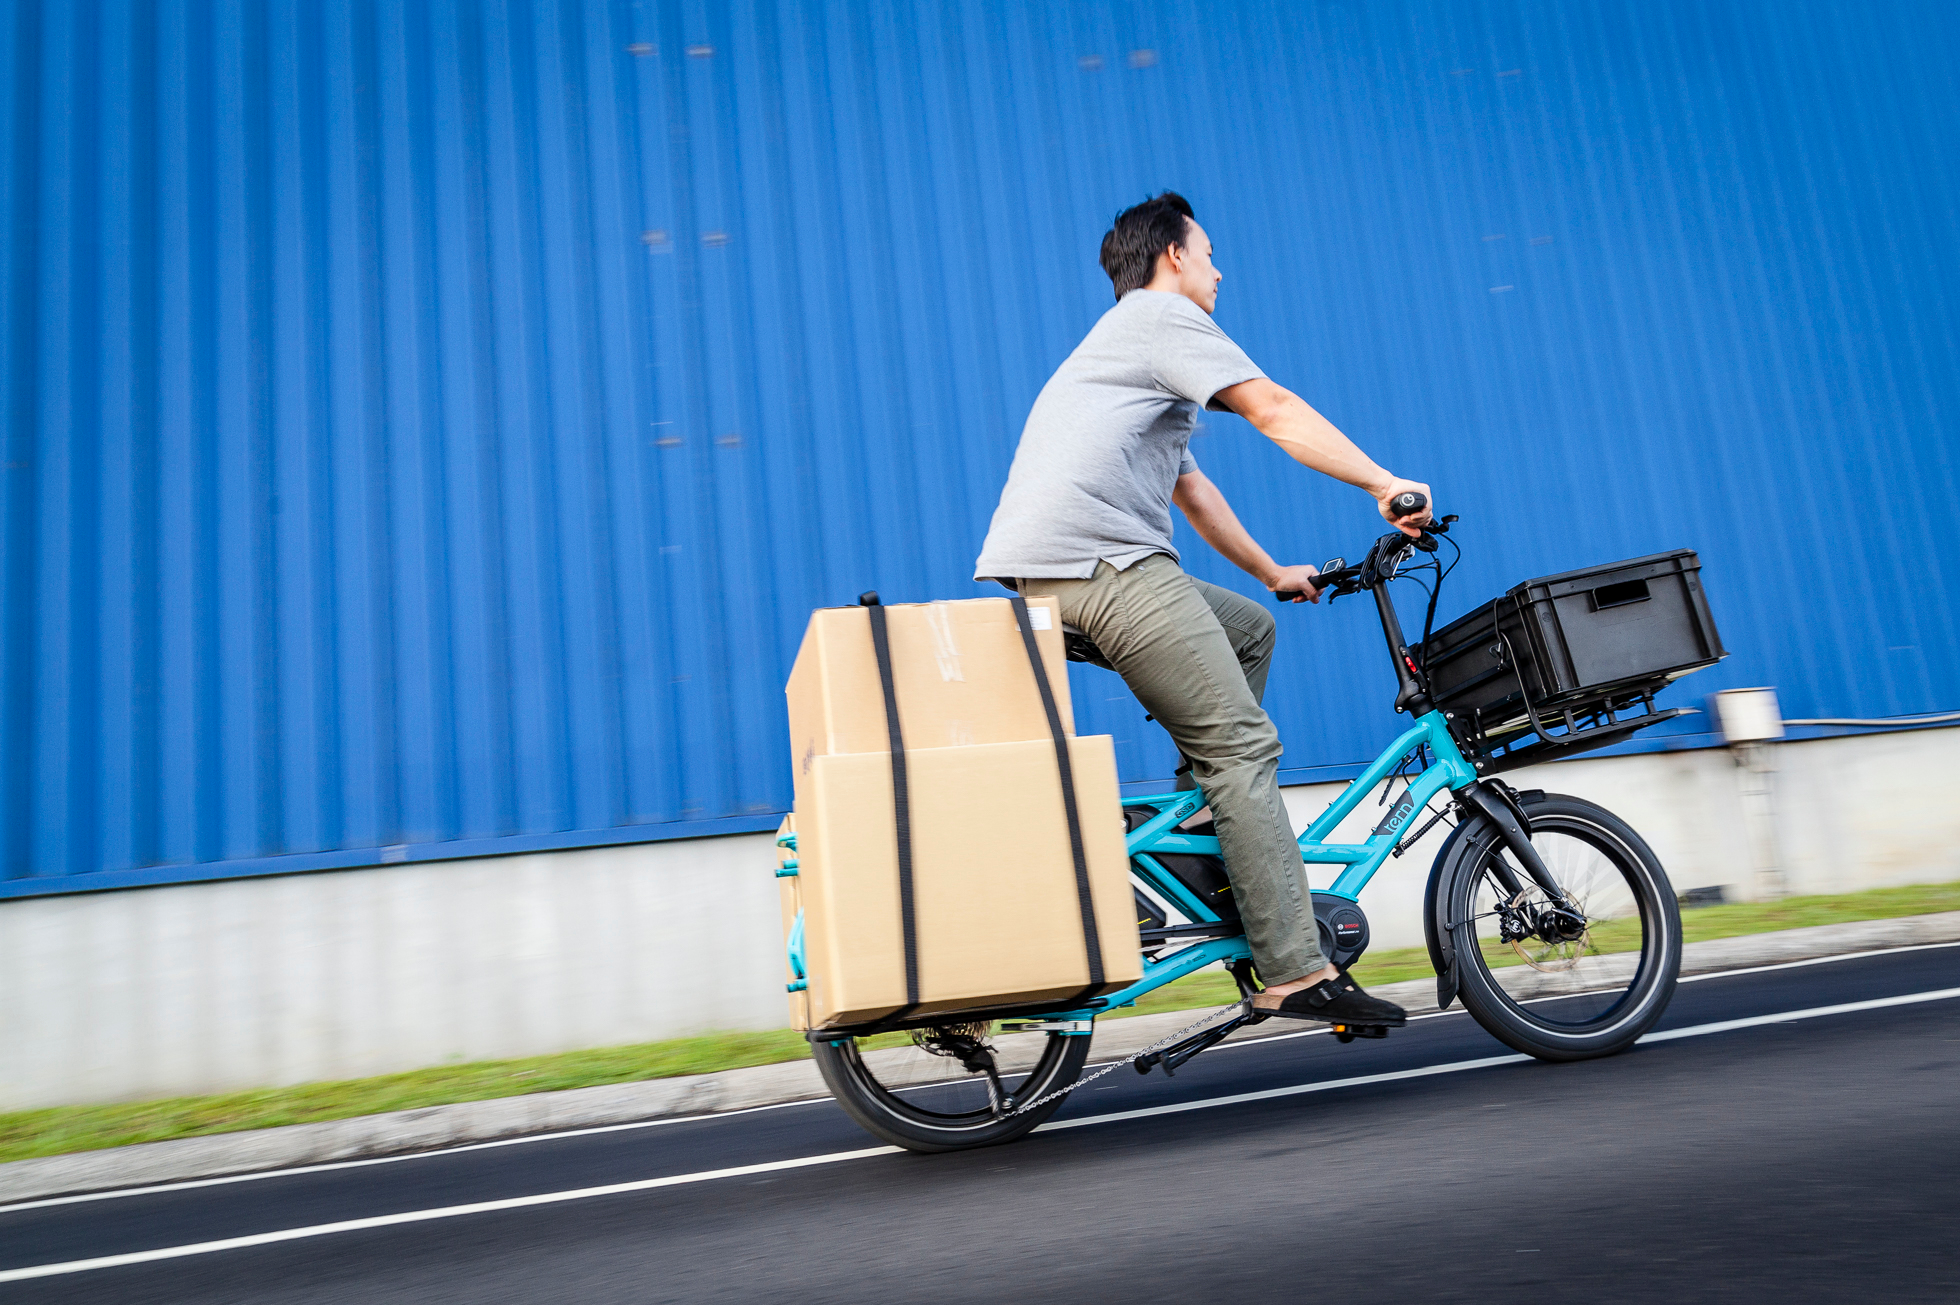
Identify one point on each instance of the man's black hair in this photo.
(1129, 251)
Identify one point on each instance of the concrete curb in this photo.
(437, 1127)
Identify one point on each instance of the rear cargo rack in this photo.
(974, 1015)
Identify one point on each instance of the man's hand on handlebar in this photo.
(1422, 530)
(1409, 523)
(1294, 584)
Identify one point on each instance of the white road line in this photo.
(530, 1138)
(329, 1166)
(1458, 1009)
(650, 1184)
(1269, 1094)
(1695, 1031)
(1815, 960)
(423, 1216)
(1815, 1012)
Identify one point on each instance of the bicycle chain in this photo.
(1237, 1008)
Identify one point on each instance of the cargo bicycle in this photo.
(1546, 915)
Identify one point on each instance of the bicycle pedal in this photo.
(1349, 1032)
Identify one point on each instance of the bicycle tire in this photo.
(1585, 1001)
(904, 1113)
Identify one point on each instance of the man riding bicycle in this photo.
(1085, 517)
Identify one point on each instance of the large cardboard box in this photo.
(960, 670)
(997, 914)
(996, 910)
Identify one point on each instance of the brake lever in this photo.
(1426, 541)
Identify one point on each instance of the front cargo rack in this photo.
(1571, 662)
(1531, 738)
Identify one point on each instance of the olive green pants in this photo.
(1196, 657)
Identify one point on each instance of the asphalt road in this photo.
(1789, 1160)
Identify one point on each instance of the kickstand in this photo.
(1175, 1055)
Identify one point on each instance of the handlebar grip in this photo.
(1406, 504)
(1319, 582)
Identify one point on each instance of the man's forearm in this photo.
(1313, 441)
(1308, 438)
(1212, 517)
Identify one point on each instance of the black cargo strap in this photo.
(901, 804)
(1091, 940)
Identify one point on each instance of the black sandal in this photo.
(1337, 1001)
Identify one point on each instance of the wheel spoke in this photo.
(1565, 962)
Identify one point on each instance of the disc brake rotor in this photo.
(1561, 940)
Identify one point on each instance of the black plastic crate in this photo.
(1581, 642)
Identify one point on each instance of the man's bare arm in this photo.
(1313, 441)
(1204, 506)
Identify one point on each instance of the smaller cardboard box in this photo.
(996, 907)
(960, 670)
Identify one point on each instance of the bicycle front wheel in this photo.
(951, 1087)
(1566, 979)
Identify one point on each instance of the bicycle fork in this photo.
(1496, 802)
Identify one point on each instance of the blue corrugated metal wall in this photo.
(428, 424)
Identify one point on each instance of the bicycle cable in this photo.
(1429, 616)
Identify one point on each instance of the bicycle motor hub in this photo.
(1555, 924)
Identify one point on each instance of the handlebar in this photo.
(1405, 504)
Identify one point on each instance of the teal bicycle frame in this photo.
(1362, 860)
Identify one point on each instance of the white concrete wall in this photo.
(197, 988)
(210, 987)
(1851, 813)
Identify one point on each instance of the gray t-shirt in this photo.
(1103, 448)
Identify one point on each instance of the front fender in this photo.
(1433, 931)
(1479, 829)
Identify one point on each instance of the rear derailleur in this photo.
(966, 1043)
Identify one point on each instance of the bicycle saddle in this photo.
(1081, 648)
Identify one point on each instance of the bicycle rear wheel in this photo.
(1563, 980)
(951, 1087)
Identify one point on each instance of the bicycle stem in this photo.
(1412, 698)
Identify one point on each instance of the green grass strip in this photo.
(63, 1129)
(1394, 965)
